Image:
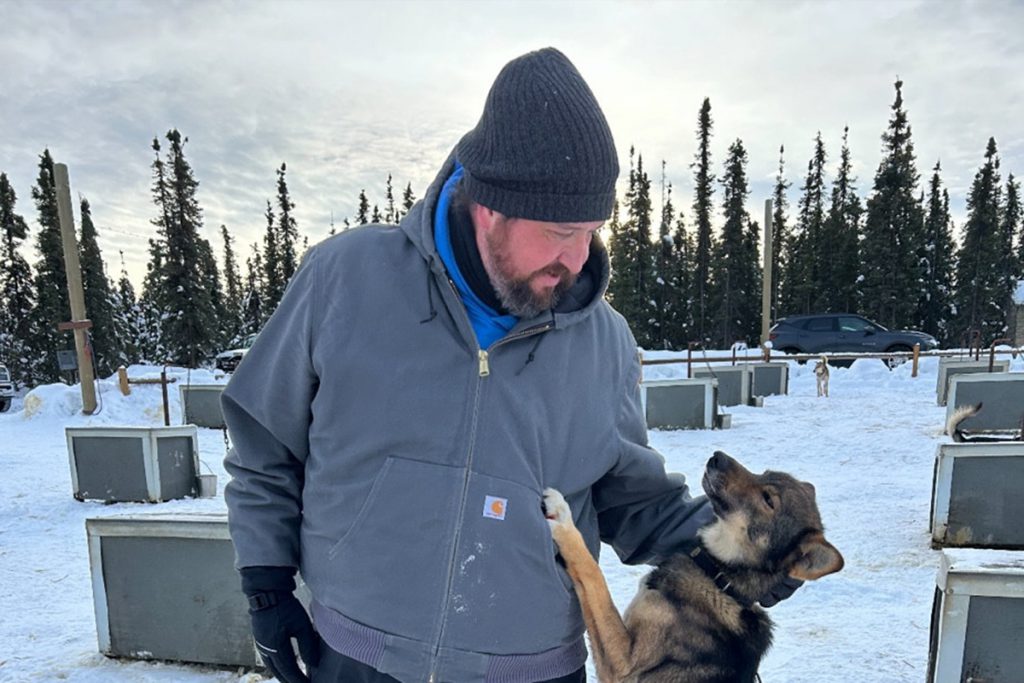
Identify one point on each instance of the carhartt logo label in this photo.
(494, 507)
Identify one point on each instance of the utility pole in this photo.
(766, 278)
(79, 323)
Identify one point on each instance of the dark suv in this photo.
(842, 332)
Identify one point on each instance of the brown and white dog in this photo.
(821, 374)
(695, 617)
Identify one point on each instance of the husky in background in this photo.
(821, 374)
(695, 617)
(962, 436)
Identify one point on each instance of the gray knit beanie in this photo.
(542, 149)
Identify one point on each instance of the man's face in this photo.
(531, 263)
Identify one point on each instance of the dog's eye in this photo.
(768, 499)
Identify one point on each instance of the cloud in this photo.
(345, 93)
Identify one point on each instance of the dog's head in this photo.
(766, 521)
(821, 366)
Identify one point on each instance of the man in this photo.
(419, 386)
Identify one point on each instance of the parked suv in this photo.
(229, 360)
(842, 332)
(6, 390)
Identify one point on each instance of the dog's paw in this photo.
(556, 509)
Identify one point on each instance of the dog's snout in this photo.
(720, 461)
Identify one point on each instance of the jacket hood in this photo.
(581, 299)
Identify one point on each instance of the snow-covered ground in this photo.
(869, 450)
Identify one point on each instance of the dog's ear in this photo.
(815, 558)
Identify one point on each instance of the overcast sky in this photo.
(346, 92)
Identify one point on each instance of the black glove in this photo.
(277, 617)
(780, 591)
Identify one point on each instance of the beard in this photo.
(515, 292)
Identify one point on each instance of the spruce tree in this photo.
(17, 297)
(680, 282)
(981, 293)
(129, 321)
(639, 226)
(620, 260)
(840, 248)
(390, 211)
(232, 286)
(363, 213)
(51, 285)
(287, 231)
(893, 230)
(273, 286)
(1012, 215)
(704, 190)
(780, 235)
(189, 290)
(376, 218)
(1007, 265)
(806, 249)
(634, 258)
(151, 345)
(1020, 250)
(99, 299)
(937, 306)
(253, 315)
(666, 300)
(736, 276)
(408, 199)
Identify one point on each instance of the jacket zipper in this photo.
(483, 370)
(484, 358)
(452, 561)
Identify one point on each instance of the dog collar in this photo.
(710, 566)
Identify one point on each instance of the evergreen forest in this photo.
(890, 252)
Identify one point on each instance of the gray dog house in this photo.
(949, 368)
(733, 383)
(1003, 396)
(682, 404)
(976, 495)
(200, 405)
(134, 464)
(978, 618)
(165, 587)
(769, 379)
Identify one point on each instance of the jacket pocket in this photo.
(389, 570)
(509, 596)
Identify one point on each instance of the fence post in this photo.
(917, 355)
(122, 380)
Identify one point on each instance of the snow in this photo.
(868, 449)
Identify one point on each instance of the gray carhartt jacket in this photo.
(400, 467)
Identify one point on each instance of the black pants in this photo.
(337, 668)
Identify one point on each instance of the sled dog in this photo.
(694, 617)
(821, 374)
(962, 436)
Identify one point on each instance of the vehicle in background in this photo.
(229, 360)
(843, 332)
(6, 389)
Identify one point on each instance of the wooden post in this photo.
(766, 279)
(917, 355)
(163, 389)
(75, 293)
(122, 380)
